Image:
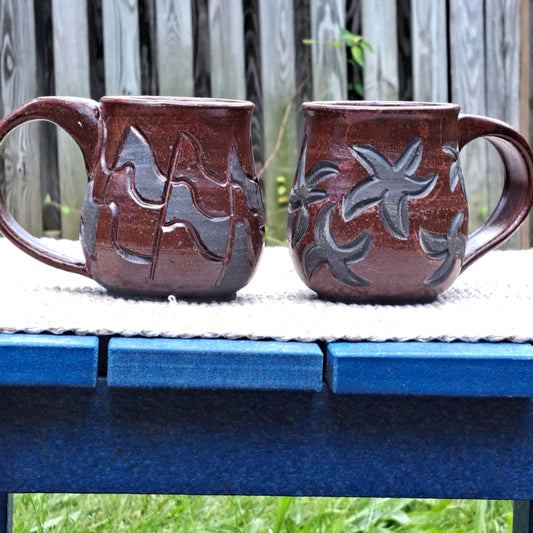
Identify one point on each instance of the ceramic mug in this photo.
(172, 204)
(378, 210)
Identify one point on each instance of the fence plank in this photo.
(328, 62)
(302, 59)
(502, 31)
(467, 55)
(525, 78)
(200, 25)
(355, 72)
(121, 47)
(380, 30)
(254, 91)
(226, 41)
(528, 11)
(148, 51)
(71, 79)
(502, 35)
(277, 74)
(22, 186)
(405, 60)
(47, 131)
(174, 48)
(429, 45)
(96, 49)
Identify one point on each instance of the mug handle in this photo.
(79, 117)
(517, 194)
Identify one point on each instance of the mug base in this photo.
(161, 297)
(386, 300)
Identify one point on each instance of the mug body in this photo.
(173, 207)
(378, 210)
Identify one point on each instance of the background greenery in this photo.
(36, 513)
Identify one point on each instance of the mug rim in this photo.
(187, 101)
(379, 106)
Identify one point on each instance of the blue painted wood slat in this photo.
(449, 369)
(264, 443)
(214, 364)
(48, 360)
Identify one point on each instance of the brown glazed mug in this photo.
(172, 204)
(378, 210)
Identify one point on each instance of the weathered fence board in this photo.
(328, 61)
(47, 132)
(121, 47)
(174, 48)
(379, 29)
(254, 91)
(148, 45)
(502, 26)
(483, 53)
(467, 48)
(201, 48)
(22, 186)
(527, 95)
(70, 32)
(303, 63)
(279, 115)
(525, 59)
(429, 39)
(228, 78)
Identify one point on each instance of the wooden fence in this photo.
(472, 52)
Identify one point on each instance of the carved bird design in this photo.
(337, 257)
(450, 247)
(388, 185)
(305, 192)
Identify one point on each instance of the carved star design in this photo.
(449, 247)
(389, 185)
(305, 192)
(456, 176)
(326, 251)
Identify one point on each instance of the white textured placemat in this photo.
(491, 301)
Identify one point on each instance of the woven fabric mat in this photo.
(491, 301)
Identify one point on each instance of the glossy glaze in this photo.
(378, 210)
(172, 204)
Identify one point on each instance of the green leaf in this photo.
(349, 38)
(479, 518)
(282, 510)
(366, 46)
(308, 41)
(359, 89)
(399, 517)
(337, 44)
(358, 56)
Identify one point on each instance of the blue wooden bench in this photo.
(138, 415)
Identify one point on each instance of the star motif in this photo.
(326, 251)
(456, 176)
(389, 185)
(305, 192)
(449, 247)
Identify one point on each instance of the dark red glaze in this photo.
(172, 205)
(378, 210)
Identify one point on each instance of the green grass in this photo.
(73, 513)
